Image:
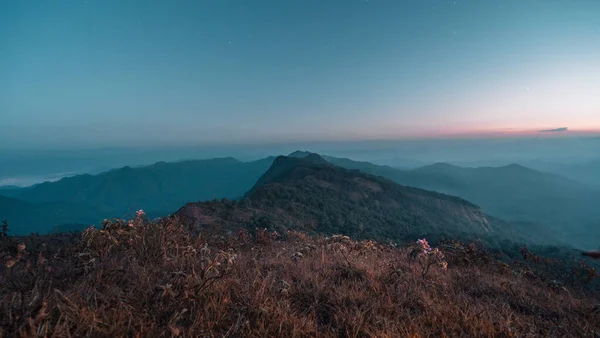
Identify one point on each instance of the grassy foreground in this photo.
(161, 279)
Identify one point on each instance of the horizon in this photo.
(506, 134)
(25, 167)
(94, 74)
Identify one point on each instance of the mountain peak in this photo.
(299, 153)
(307, 155)
(289, 167)
(305, 159)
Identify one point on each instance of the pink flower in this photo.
(424, 245)
(140, 213)
(131, 224)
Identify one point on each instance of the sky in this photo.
(93, 73)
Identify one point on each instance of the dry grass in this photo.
(159, 279)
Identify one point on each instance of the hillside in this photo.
(159, 189)
(162, 279)
(514, 193)
(311, 195)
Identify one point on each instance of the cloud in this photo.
(25, 181)
(557, 130)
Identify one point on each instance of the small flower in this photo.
(205, 250)
(21, 247)
(131, 224)
(140, 213)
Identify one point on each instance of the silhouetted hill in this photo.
(309, 195)
(159, 189)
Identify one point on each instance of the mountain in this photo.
(314, 196)
(535, 200)
(587, 172)
(285, 167)
(514, 193)
(159, 189)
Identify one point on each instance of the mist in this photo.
(23, 167)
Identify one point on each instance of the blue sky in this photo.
(141, 72)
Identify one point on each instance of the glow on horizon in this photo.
(466, 134)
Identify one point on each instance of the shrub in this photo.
(427, 256)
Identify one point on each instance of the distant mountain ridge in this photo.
(514, 193)
(587, 172)
(160, 189)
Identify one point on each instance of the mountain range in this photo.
(532, 202)
(159, 189)
(309, 194)
(513, 193)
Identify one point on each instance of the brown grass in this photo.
(158, 279)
